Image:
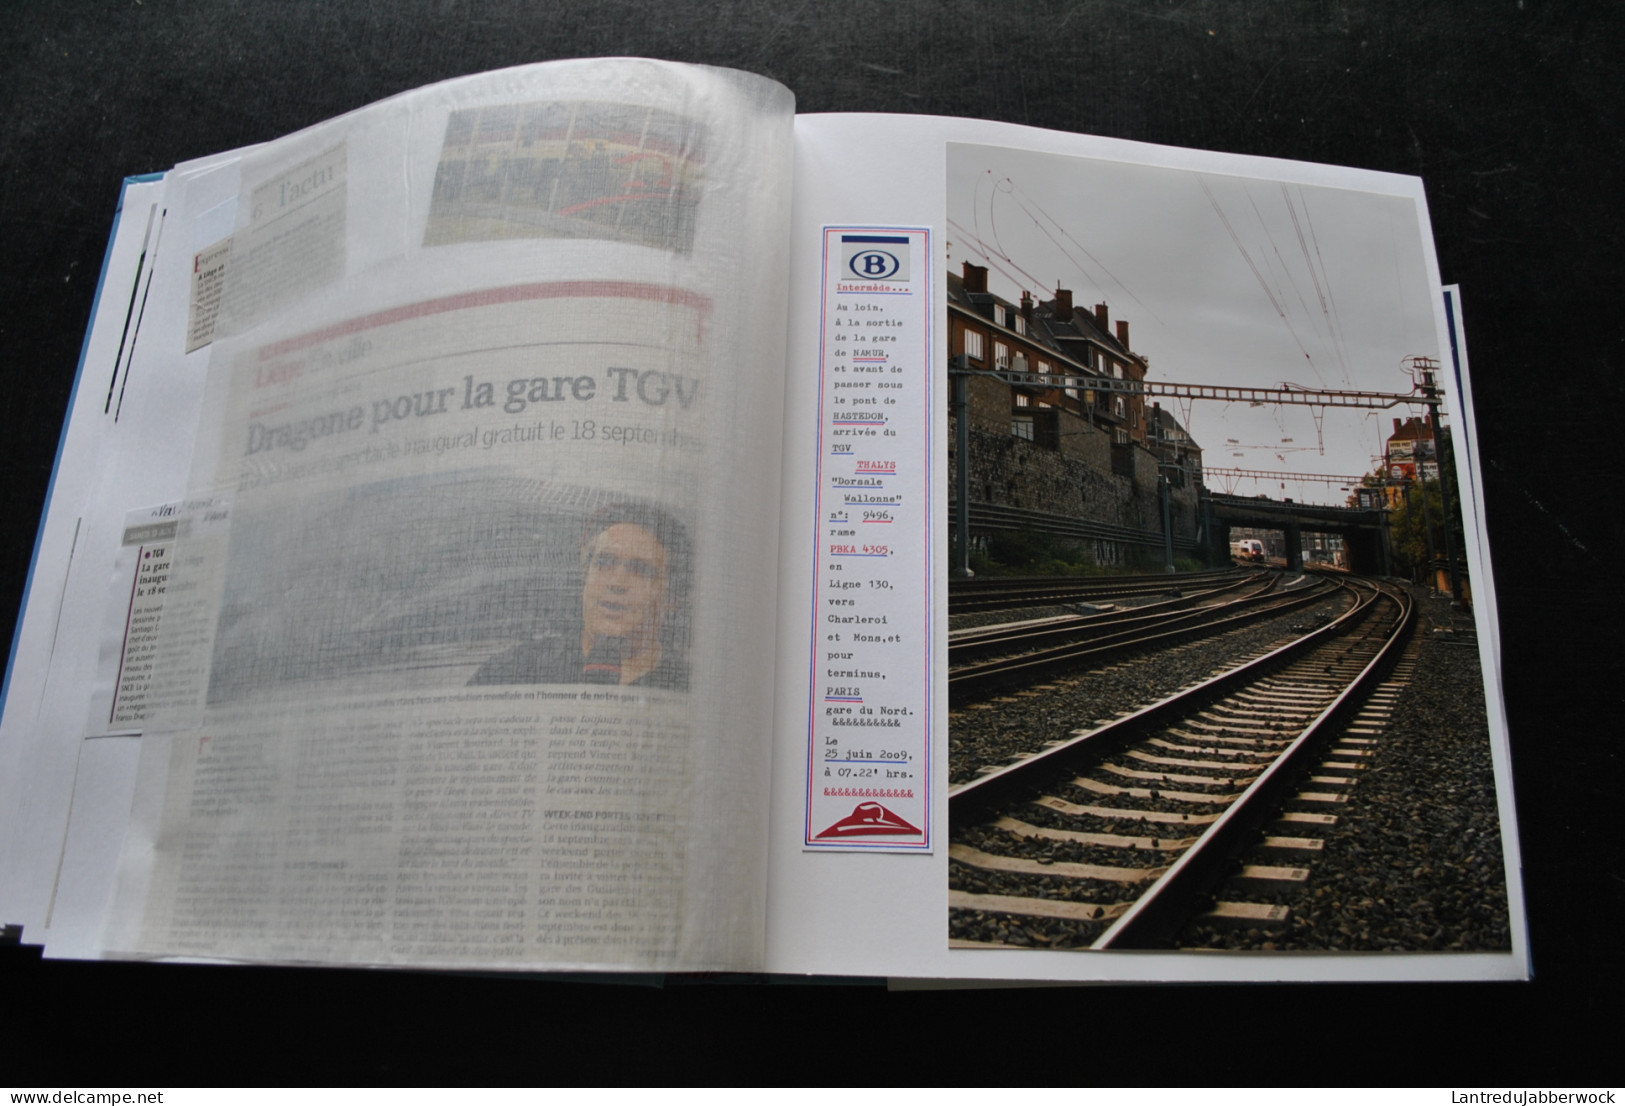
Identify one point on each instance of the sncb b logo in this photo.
(874, 264)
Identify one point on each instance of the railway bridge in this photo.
(1364, 531)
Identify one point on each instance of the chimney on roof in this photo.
(1026, 306)
(1063, 305)
(975, 277)
(1122, 333)
(1101, 317)
(1396, 424)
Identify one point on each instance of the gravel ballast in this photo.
(1414, 862)
(990, 734)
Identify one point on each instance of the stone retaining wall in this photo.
(1076, 479)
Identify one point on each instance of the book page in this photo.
(462, 657)
(118, 452)
(1198, 252)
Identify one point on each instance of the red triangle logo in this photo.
(868, 820)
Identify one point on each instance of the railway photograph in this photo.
(1216, 673)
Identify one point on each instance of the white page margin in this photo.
(844, 914)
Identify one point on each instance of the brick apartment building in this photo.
(1408, 456)
(1070, 459)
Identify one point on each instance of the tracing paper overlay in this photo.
(413, 541)
(457, 664)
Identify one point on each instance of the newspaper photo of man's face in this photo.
(625, 630)
(625, 595)
(471, 578)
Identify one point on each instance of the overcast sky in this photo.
(1223, 280)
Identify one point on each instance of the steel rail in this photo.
(1039, 591)
(985, 583)
(985, 678)
(1158, 912)
(970, 799)
(972, 643)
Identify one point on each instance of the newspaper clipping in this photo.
(460, 679)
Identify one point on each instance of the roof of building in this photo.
(1057, 326)
(1164, 425)
(1165, 418)
(1065, 337)
(1412, 428)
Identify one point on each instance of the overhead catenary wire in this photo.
(1316, 272)
(980, 249)
(1303, 201)
(1258, 276)
(1025, 198)
(1021, 205)
(995, 251)
(1286, 271)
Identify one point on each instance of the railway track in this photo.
(974, 643)
(987, 661)
(974, 596)
(1115, 838)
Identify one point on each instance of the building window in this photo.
(1001, 355)
(1021, 324)
(1120, 408)
(973, 344)
(1021, 426)
(1022, 400)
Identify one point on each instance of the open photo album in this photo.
(587, 517)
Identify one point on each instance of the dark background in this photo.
(1508, 109)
